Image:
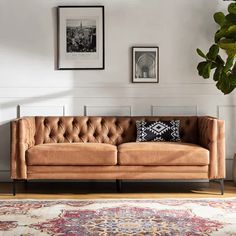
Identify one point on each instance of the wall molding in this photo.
(33, 110)
(229, 127)
(223, 106)
(174, 106)
(125, 109)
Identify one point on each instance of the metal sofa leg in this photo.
(221, 186)
(26, 185)
(14, 187)
(118, 185)
(221, 182)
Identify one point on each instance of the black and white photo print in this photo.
(81, 35)
(145, 64)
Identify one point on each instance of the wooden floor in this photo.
(95, 190)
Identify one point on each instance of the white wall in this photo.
(28, 54)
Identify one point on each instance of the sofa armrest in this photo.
(212, 136)
(22, 138)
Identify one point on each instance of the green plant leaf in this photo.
(231, 18)
(228, 44)
(217, 74)
(231, 52)
(219, 18)
(232, 80)
(219, 60)
(204, 69)
(213, 65)
(223, 84)
(221, 33)
(228, 89)
(232, 8)
(200, 53)
(213, 52)
(229, 63)
(231, 32)
(218, 84)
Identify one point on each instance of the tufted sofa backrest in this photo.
(112, 130)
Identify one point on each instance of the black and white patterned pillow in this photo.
(158, 131)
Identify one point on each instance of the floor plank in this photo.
(95, 190)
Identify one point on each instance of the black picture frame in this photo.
(78, 55)
(145, 64)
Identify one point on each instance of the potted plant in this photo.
(223, 65)
(224, 68)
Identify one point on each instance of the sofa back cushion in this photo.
(112, 130)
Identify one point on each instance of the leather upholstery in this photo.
(22, 138)
(70, 154)
(212, 137)
(163, 154)
(28, 132)
(118, 168)
(112, 130)
(117, 172)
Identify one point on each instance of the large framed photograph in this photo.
(81, 37)
(145, 64)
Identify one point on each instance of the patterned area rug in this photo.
(118, 217)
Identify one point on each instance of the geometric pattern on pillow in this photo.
(158, 131)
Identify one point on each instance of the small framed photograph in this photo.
(81, 38)
(145, 64)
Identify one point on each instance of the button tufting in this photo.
(109, 135)
(187, 122)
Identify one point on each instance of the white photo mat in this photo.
(80, 37)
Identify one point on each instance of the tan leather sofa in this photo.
(82, 147)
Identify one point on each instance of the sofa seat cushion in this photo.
(162, 153)
(71, 154)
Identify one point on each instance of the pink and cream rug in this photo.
(169, 217)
